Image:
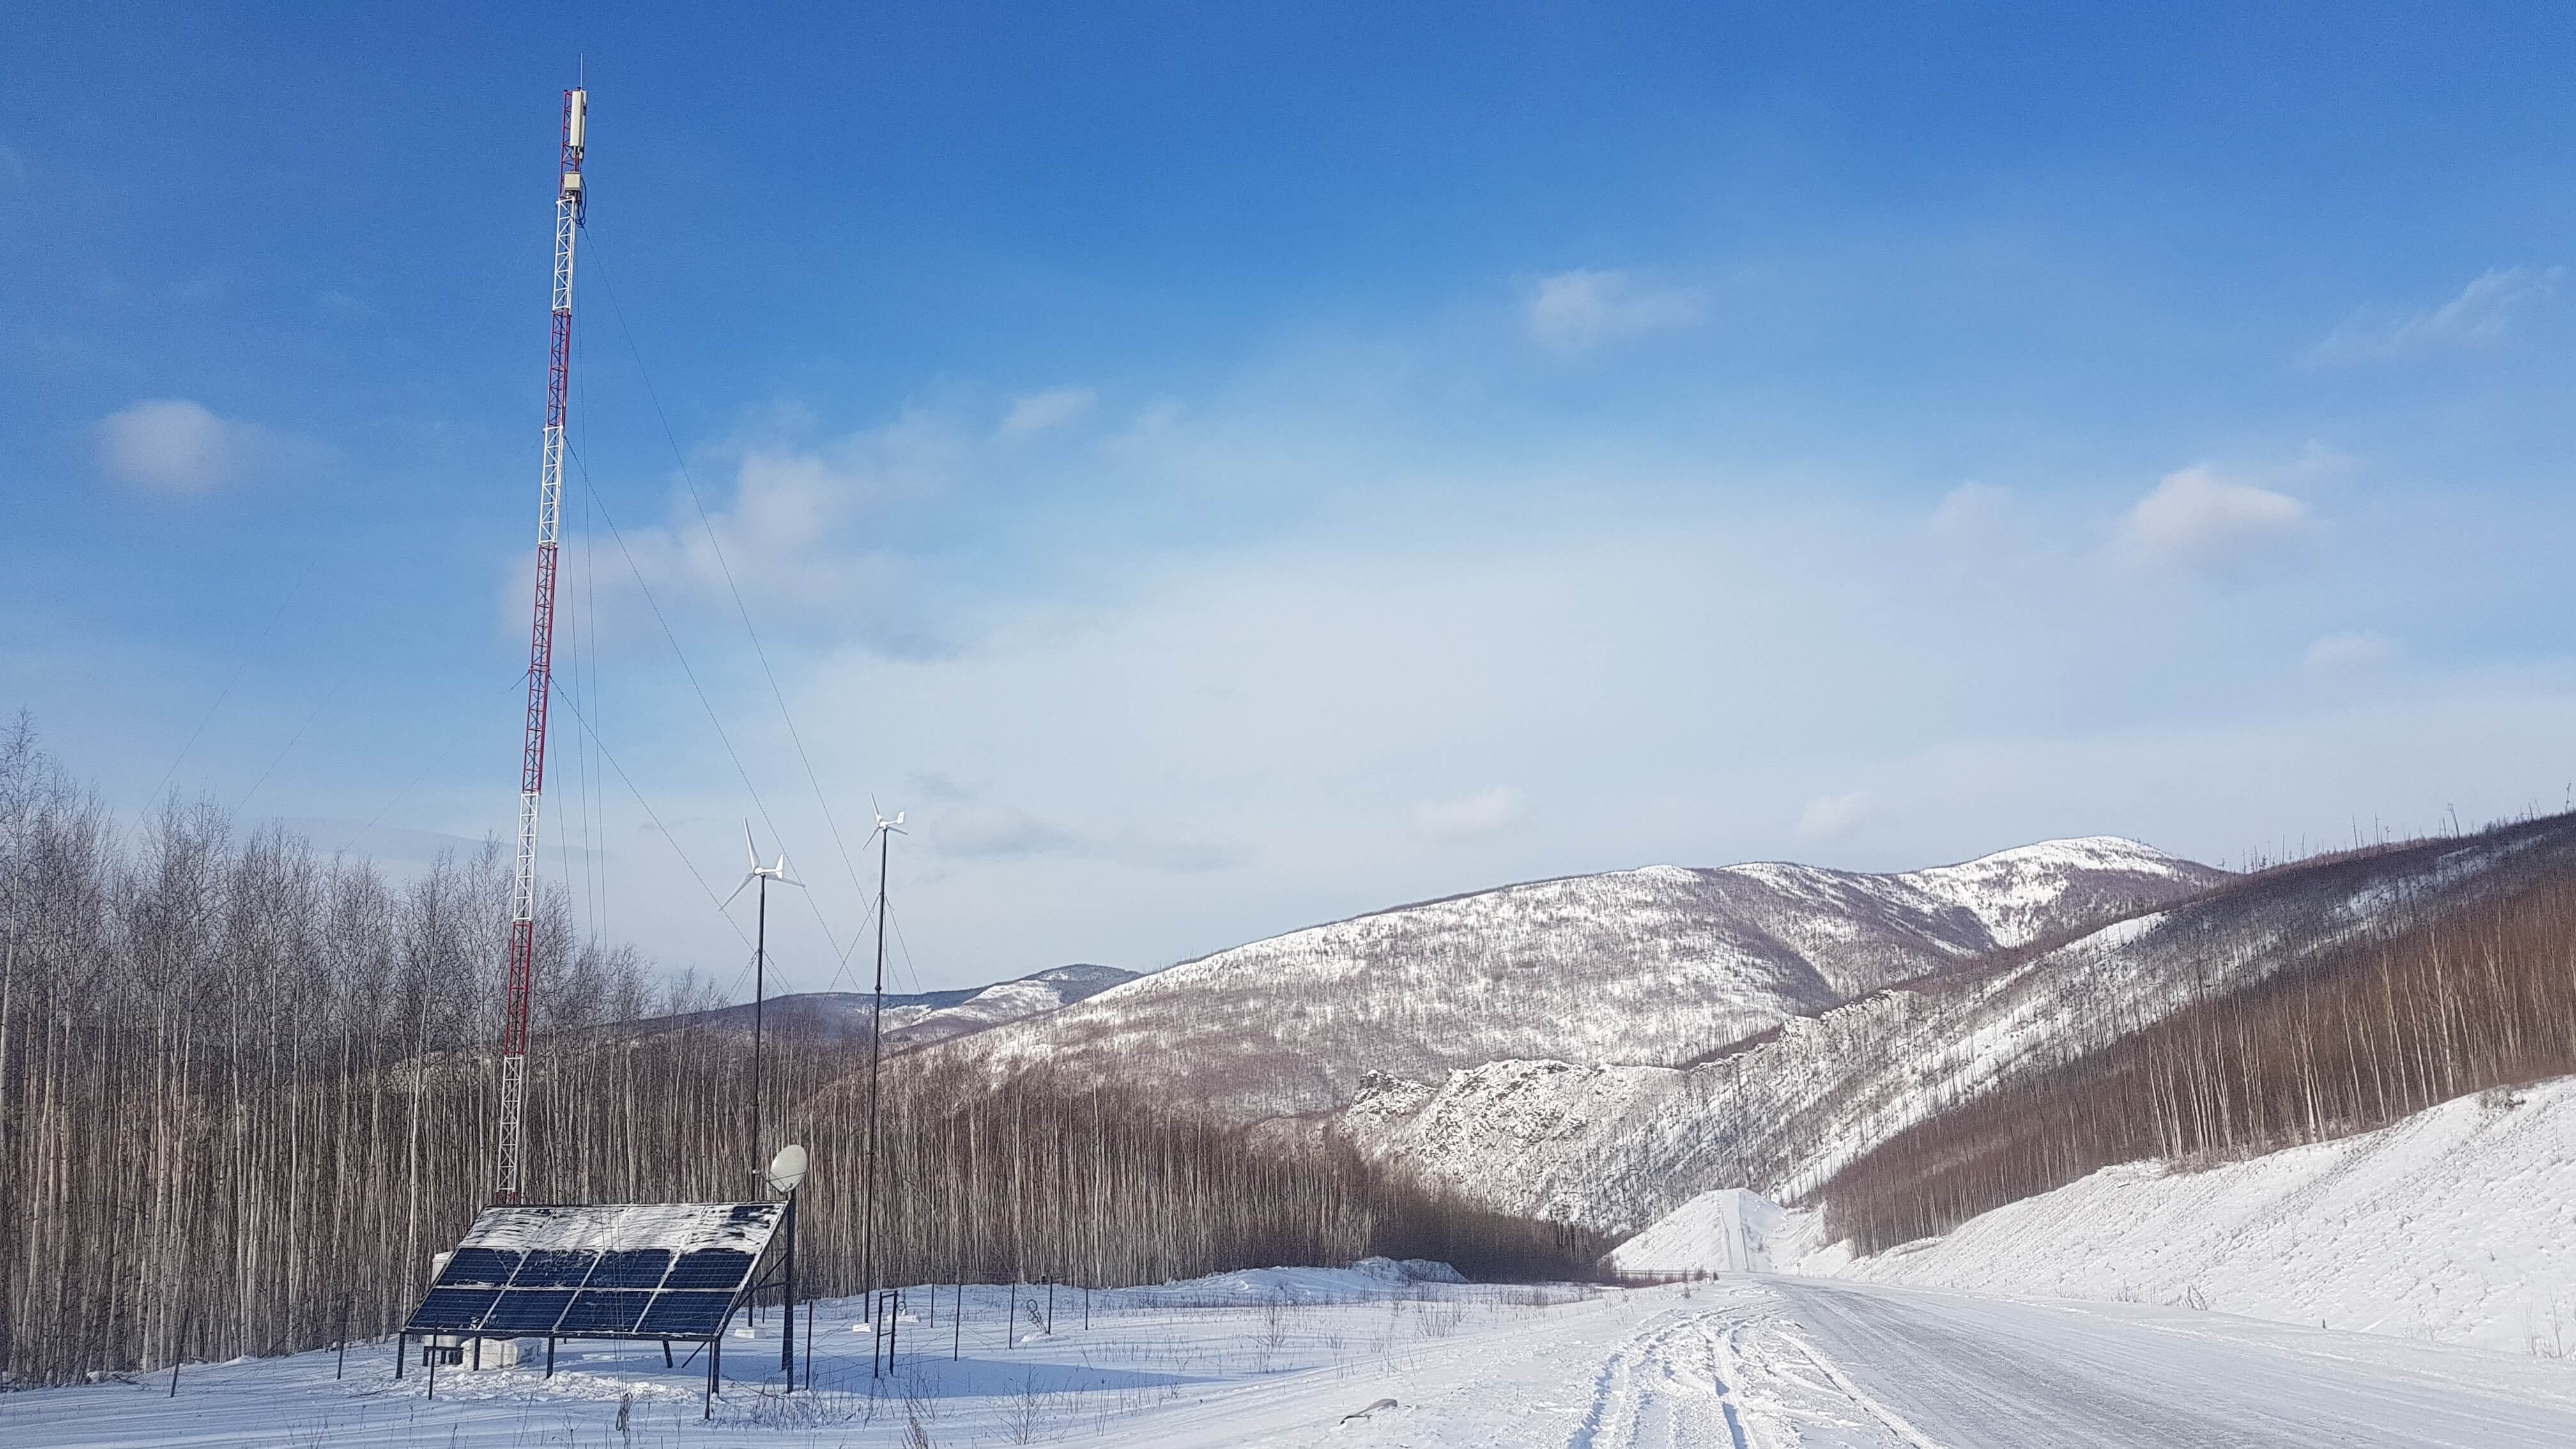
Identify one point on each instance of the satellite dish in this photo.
(787, 1169)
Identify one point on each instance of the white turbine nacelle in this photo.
(758, 871)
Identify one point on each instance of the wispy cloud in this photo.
(2341, 654)
(1040, 412)
(1576, 311)
(1469, 816)
(981, 831)
(172, 445)
(811, 534)
(2486, 309)
(1828, 816)
(1971, 513)
(349, 308)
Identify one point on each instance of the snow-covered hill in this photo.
(1615, 1146)
(910, 1020)
(1651, 966)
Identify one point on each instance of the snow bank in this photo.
(1725, 1231)
(1366, 1280)
(2457, 1224)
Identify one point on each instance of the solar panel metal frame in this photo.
(613, 1292)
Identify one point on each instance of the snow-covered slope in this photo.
(1727, 1230)
(1617, 1146)
(910, 1020)
(1652, 966)
(2457, 1224)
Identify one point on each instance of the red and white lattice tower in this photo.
(511, 1159)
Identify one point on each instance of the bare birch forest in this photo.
(246, 1089)
(2428, 1007)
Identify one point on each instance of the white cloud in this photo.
(1971, 512)
(2349, 653)
(2483, 312)
(1575, 311)
(1828, 816)
(1469, 816)
(2195, 518)
(812, 537)
(177, 446)
(1038, 412)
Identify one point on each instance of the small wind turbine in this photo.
(886, 831)
(763, 875)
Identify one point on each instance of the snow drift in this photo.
(2457, 1224)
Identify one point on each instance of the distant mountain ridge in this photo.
(1652, 966)
(1615, 1145)
(911, 1019)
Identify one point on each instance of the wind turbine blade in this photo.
(746, 846)
(738, 890)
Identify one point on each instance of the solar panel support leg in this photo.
(402, 1350)
(666, 1353)
(550, 1358)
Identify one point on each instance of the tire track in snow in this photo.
(1664, 1387)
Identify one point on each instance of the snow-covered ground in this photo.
(1362, 1358)
(2456, 1224)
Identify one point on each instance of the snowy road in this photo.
(1771, 1363)
(1960, 1370)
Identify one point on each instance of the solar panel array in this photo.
(682, 1288)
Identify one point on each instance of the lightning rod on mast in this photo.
(509, 1159)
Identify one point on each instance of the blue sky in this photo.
(1224, 467)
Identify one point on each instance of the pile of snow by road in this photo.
(1728, 1230)
(2456, 1224)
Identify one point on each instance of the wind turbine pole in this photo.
(759, 875)
(887, 830)
(759, 994)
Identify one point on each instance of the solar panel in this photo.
(528, 1310)
(486, 1267)
(452, 1310)
(688, 1313)
(631, 1268)
(710, 1268)
(597, 1314)
(645, 1270)
(555, 1268)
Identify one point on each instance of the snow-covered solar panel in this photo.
(634, 1269)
